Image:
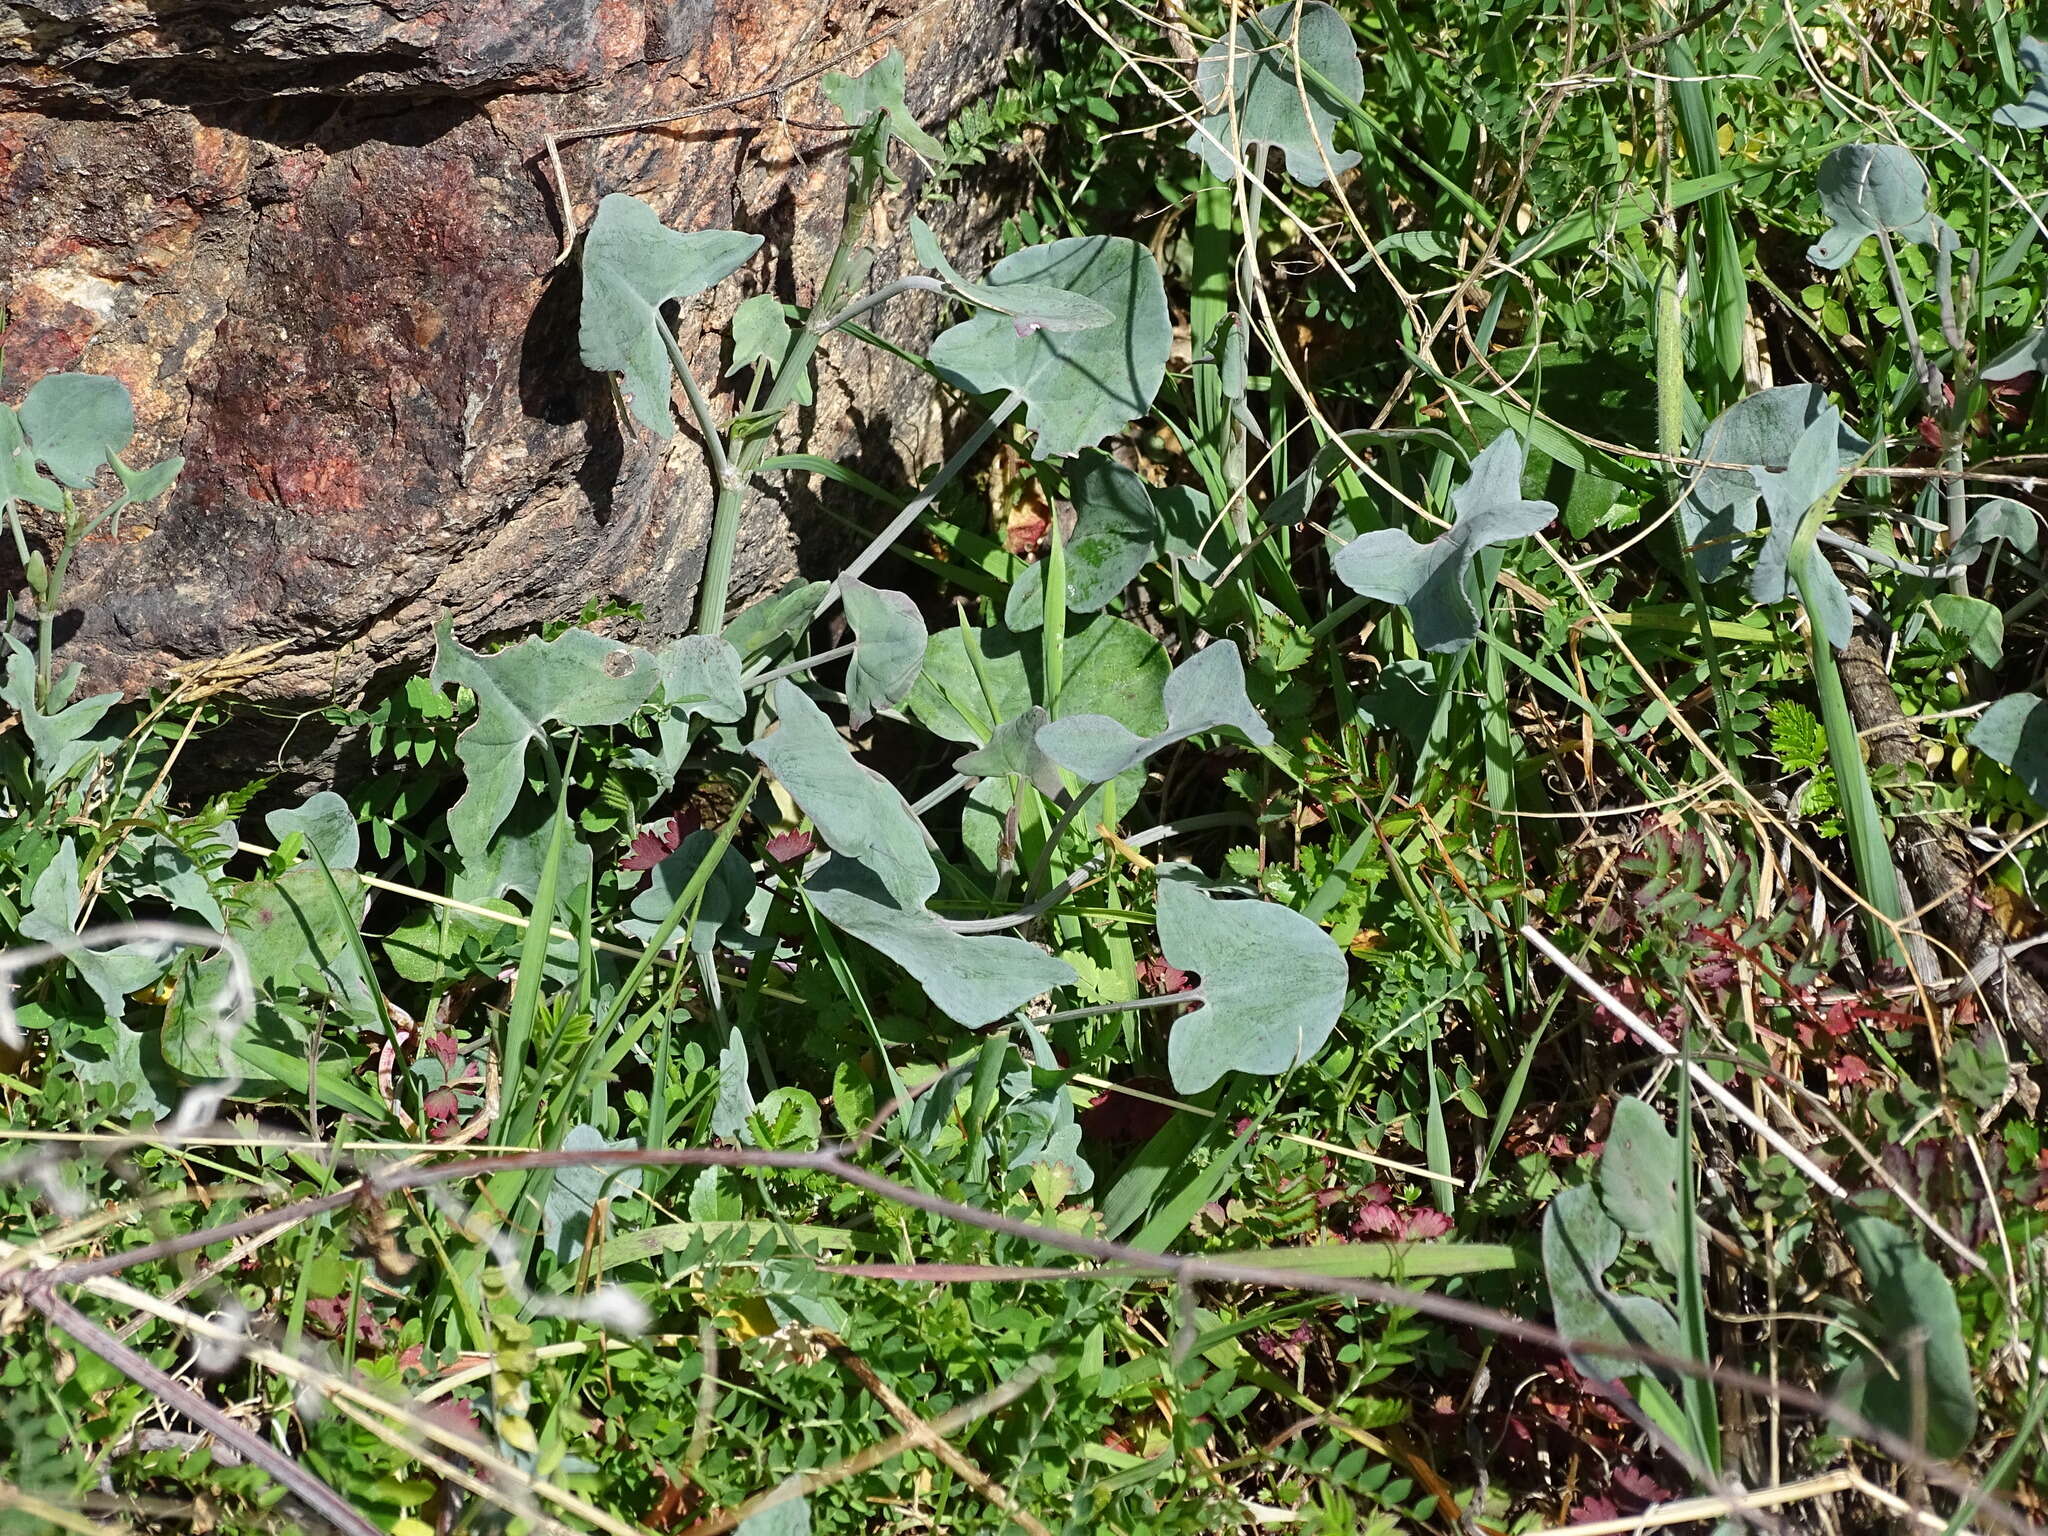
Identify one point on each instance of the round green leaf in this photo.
(74, 420)
(1256, 90)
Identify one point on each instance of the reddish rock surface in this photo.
(317, 241)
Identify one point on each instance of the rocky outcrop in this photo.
(318, 241)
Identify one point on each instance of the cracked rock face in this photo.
(317, 240)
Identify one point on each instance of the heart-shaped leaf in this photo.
(721, 905)
(972, 979)
(327, 824)
(140, 486)
(19, 480)
(2014, 731)
(1282, 80)
(1759, 431)
(1116, 531)
(760, 334)
(2028, 355)
(632, 265)
(1865, 188)
(69, 736)
(857, 812)
(1014, 750)
(577, 679)
(74, 421)
(1790, 561)
(1435, 582)
(1580, 1244)
(879, 92)
(1205, 693)
(1032, 305)
(1079, 386)
(1239, 949)
(888, 648)
(1922, 1384)
(2031, 110)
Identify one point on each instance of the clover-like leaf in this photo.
(1639, 1169)
(857, 812)
(1865, 188)
(578, 679)
(1013, 749)
(1205, 693)
(1239, 949)
(1436, 581)
(974, 979)
(1283, 80)
(1116, 531)
(632, 265)
(19, 479)
(1790, 560)
(1580, 1244)
(1032, 305)
(1759, 431)
(879, 91)
(888, 648)
(574, 1192)
(2014, 732)
(68, 737)
(74, 421)
(1077, 386)
(1920, 1389)
(327, 824)
(2031, 110)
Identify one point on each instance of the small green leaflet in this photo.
(1254, 84)
(1865, 188)
(1077, 386)
(1435, 582)
(632, 265)
(760, 334)
(1205, 693)
(1239, 949)
(879, 91)
(2031, 110)
(579, 678)
(888, 648)
(1117, 531)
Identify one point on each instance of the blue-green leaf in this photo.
(1865, 188)
(632, 265)
(1032, 305)
(69, 736)
(574, 1192)
(1760, 431)
(1435, 582)
(735, 1101)
(1580, 1244)
(2014, 731)
(1246, 1022)
(1921, 1388)
(327, 824)
(19, 480)
(888, 648)
(1116, 531)
(1078, 387)
(1254, 90)
(2031, 110)
(74, 421)
(1205, 693)
(879, 92)
(1013, 749)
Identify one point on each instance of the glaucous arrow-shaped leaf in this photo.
(1996, 518)
(2014, 731)
(700, 678)
(67, 738)
(1256, 90)
(974, 979)
(1865, 188)
(1436, 582)
(1790, 561)
(2031, 110)
(1759, 431)
(857, 812)
(1029, 305)
(879, 90)
(19, 479)
(1077, 386)
(766, 627)
(1014, 750)
(1116, 531)
(1271, 985)
(1205, 693)
(760, 334)
(74, 421)
(577, 679)
(632, 265)
(888, 648)
(52, 918)
(327, 825)
(721, 904)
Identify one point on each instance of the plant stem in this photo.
(1869, 854)
(882, 296)
(707, 428)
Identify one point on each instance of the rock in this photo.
(317, 240)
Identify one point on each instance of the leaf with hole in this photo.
(878, 92)
(578, 679)
(1245, 1022)
(1116, 532)
(857, 812)
(1866, 189)
(326, 823)
(973, 979)
(1436, 582)
(888, 648)
(1580, 1244)
(1922, 1382)
(75, 421)
(632, 265)
(1256, 90)
(2031, 110)
(1078, 387)
(1760, 431)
